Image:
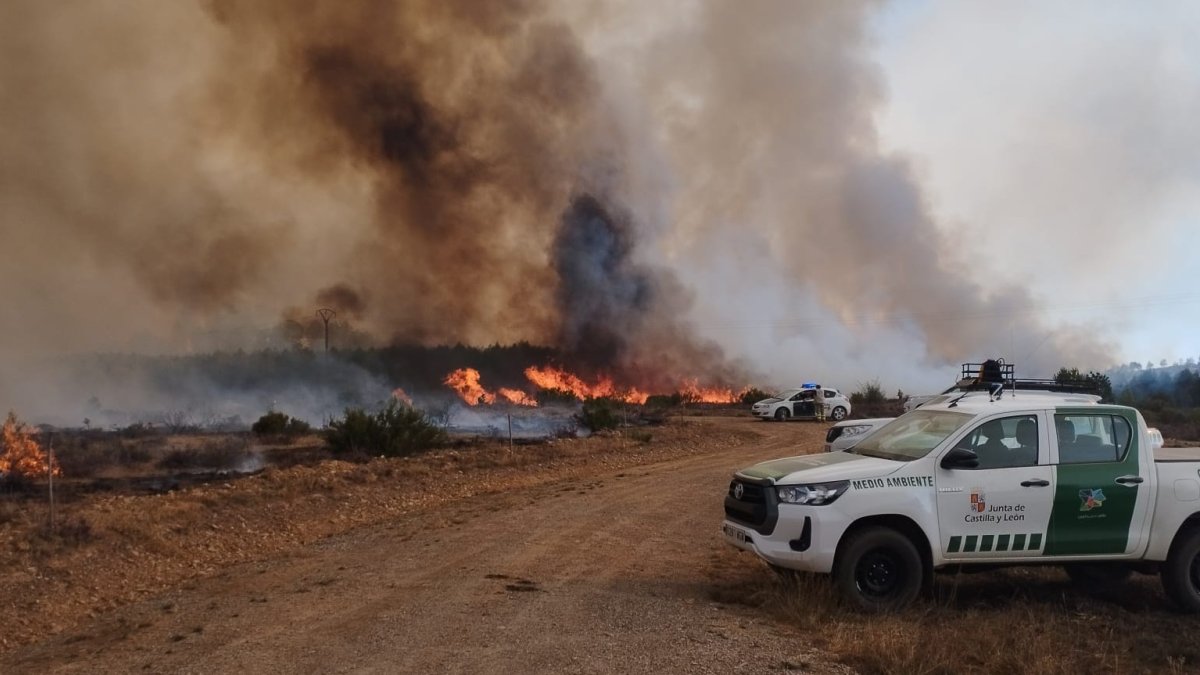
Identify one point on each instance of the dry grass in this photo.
(1021, 620)
(127, 546)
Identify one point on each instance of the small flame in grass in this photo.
(21, 455)
(402, 396)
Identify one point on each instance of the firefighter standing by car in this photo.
(819, 404)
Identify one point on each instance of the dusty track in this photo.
(615, 573)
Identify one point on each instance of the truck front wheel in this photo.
(878, 570)
(1181, 571)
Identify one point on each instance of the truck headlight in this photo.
(813, 495)
(855, 429)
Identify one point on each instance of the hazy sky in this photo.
(1058, 141)
(836, 190)
(1052, 144)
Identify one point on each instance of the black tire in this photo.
(879, 570)
(1098, 578)
(838, 414)
(782, 415)
(1181, 572)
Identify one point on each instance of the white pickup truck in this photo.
(1024, 478)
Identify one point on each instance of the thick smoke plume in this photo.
(476, 131)
(613, 307)
(175, 176)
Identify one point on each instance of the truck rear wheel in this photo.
(1181, 572)
(879, 570)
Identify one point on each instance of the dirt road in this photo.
(617, 573)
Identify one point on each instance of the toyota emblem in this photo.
(738, 491)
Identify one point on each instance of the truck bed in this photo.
(1177, 455)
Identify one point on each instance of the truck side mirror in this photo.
(960, 458)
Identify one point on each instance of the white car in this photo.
(1156, 439)
(913, 402)
(846, 434)
(1031, 477)
(799, 403)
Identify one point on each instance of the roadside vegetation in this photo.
(1169, 398)
(1026, 620)
(396, 430)
(280, 425)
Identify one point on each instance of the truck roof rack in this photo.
(997, 376)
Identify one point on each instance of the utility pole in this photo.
(326, 314)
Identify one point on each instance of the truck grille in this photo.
(756, 507)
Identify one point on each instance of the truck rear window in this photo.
(1091, 438)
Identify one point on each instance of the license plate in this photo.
(737, 535)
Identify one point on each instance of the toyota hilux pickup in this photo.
(981, 479)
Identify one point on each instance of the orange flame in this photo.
(550, 377)
(402, 396)
(692, 391)
(21, 454)
(466, 382)
(517, 396)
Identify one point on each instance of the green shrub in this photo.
(754, 395)
(279, 424)
(394, 431)
(664, 400)
(1100, 381)
(600, 413)
(869, 393)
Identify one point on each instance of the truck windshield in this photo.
(912, 435)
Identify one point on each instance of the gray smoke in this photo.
(604, 179)
(767, 112)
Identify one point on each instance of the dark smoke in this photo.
(344, 300)
(602, 294)
(452, 171)
(467, 126)
(475, 131)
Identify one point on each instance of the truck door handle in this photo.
(1129, 480)
(1035, 483)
